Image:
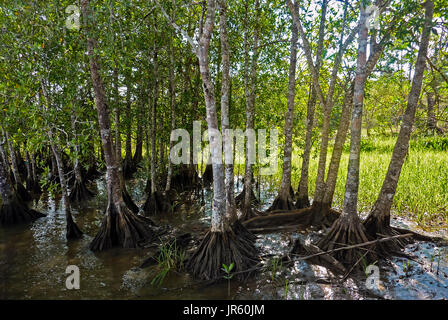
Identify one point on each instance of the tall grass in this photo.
(422, 192)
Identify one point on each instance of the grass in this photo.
(170, 258)
(422, 192)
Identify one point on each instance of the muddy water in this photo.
(33, 260)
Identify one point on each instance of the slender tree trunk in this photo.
(117, 119)
(128, 147)
(12, 154)
(303, 197)
(379, 217)
(120, 226)
(284, 200)
(352, 184)
(153, 123)
(172, 81)
(249, 85)
(225, 123)
(431, 121)
(72, 230)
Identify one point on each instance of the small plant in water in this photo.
(274, 265)
(286, 288)
(406, 267)
(170, 258)
(228, 275)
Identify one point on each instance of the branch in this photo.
(437, 69)
(356, 245)
(307, 49)
(179, 29)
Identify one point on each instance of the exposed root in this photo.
(379, 227)
(323, 215)
(72, 230)
(281, 203)
(239, 199)
(16, 212)
(299, 219)
(247, 213)
(302, 202)
(156, 203)
(122, 228)
(241, 230)
(129, 202)
(345, 231)
(322, 259)
(80, 193)
(22, 193)
(218, 248)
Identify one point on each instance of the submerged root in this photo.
(122, 228)
(15, 211)
(218, 248)
(345, 231)
(80, 193)
(156, 203)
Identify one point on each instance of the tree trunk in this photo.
(249, 88)
(13, 210)
(72, 230)
(79, 192)
(172, 81)
(378, 220)
(303, 197)
(283, 200)
(120, 227)
(352, 184)
(348, 229)
(431, 121)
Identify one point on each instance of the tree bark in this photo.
(225, 122)
(172, 81)
(284, 200)
(379, 216)
(303, 197)
(120, 226)
(249, 88)
(352, 184)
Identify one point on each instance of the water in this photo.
(33, 260)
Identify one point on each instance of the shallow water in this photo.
(33, 260)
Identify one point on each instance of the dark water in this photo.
(33, 260)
